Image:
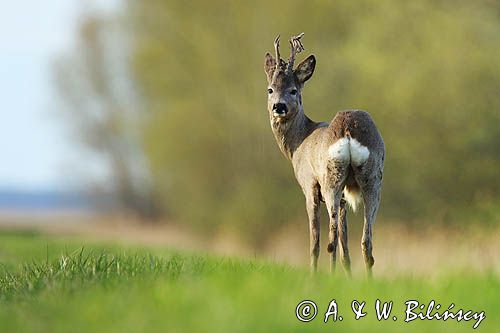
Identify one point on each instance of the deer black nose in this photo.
(280, 108)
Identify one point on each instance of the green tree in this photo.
(100, 107)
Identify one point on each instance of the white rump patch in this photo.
(359, 153)
(340, 150)
(348, 148)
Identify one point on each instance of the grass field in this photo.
(50, 284)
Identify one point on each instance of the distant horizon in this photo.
(38, 201)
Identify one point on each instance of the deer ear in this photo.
(305, 69)
(269, 66)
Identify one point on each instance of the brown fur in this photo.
(359, 125)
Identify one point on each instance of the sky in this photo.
(34, 147)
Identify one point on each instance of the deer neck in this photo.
(292, 132)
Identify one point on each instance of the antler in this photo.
(277, 51)
(297, 47)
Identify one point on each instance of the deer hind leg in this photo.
(332, 201)
(312, 205)
(333, 196)
(371, 197)
(344, 249)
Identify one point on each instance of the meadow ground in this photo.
(58, 284)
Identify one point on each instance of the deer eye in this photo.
(293, 92)
(269, 91)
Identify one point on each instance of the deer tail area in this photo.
(351, 150)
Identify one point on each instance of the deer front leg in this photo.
(312, 205)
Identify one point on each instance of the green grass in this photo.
(57, 285)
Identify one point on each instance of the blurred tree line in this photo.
(427, 71)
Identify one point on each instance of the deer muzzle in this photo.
(280, 109)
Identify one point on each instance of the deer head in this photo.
(284, 82)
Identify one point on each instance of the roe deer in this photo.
(334, 163)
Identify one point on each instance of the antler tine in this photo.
(296, 47)
(277, 51)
